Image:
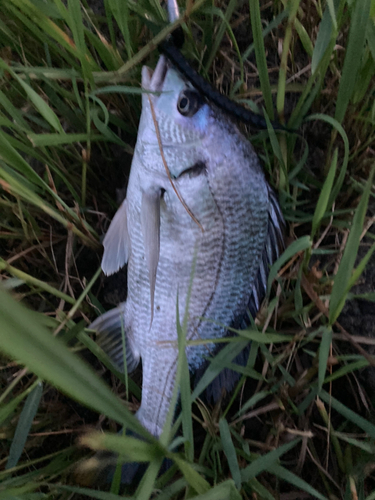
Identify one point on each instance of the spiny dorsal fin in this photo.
(109, 327)
(116, 242)
(272, 250)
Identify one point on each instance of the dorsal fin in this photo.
(272, 250)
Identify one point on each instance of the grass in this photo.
(300, 423)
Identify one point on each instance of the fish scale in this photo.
(218, 175)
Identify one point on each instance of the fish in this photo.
(197, 196)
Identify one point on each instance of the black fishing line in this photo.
(171, 49)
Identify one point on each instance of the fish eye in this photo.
(189, 102)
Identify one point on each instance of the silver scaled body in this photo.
(218, 175)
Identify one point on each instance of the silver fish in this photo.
(218, 175)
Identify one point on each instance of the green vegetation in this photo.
(300, 422)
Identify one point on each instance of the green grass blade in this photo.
(146, 486)
(216, 365)
(259, 396)
(324, 349)
(325, 39)
(361, 267)
(230, 451)
(368, 447)
(20, 189)
(258, 488)
(20, 493)
(223, 491)
(276, 147)
(221, 32)
(356, 419)
(276, 21)
(260, 55)
(31, 281)
(262, 338)
(6, 410)
(77, 27)
(48, 29)
(343, 168)
(266, 461)
(24, 424)
(131, 449)
(120, 12)
(172, 490)
(41, 140)
(341, 284)
(12, 111)
(370, 35)
(287, 476)
(331, 8)
(281, 86)
(304, 37)
(14, 159)
(184, 377)
(324, 196)
(196, 481)
(226, 26)
(24, 339)
(297, 246)
(349, 368)
(40, 105)
(91, 493)
(353, 56)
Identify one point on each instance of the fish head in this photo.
(173, 125)
(182, 116)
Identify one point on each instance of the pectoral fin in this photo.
(109, 328)
(116, 242)
(150, 219)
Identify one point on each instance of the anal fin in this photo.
(109, 328)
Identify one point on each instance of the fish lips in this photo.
(153, 80)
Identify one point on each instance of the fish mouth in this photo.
(153, 80)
